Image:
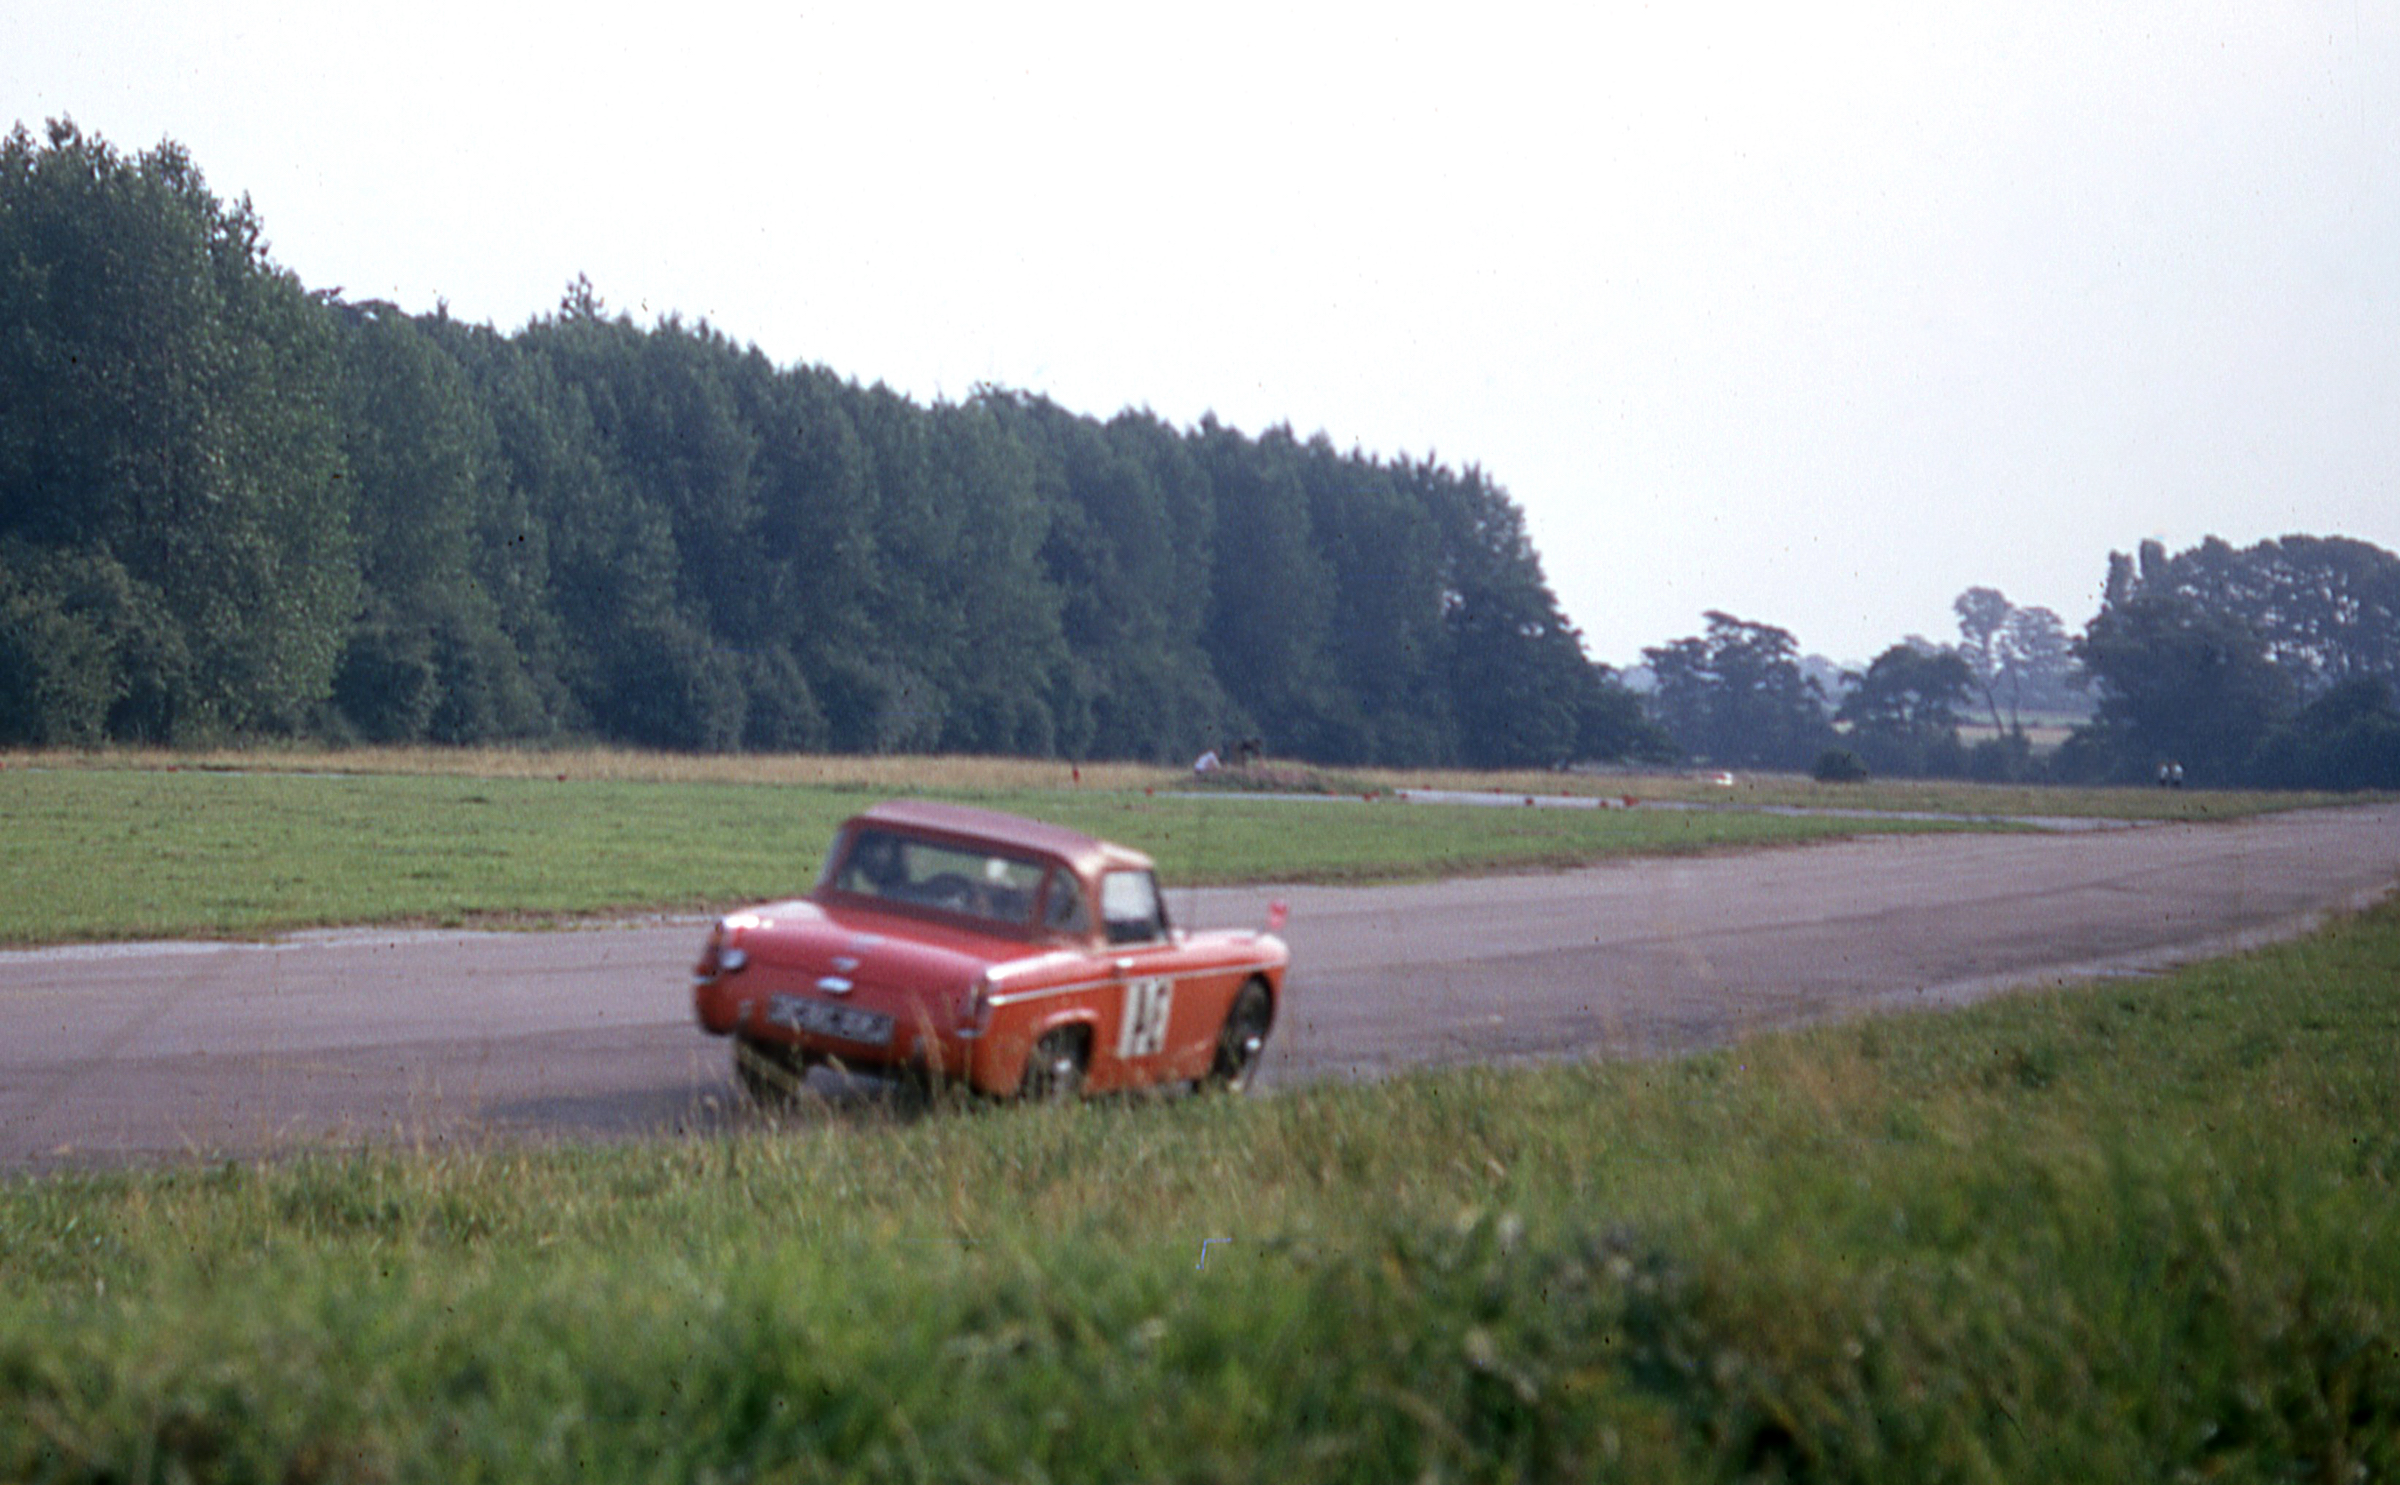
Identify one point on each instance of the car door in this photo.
(1139, 1044)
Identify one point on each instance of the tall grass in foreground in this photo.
(2140, 1231)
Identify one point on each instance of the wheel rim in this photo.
(1244, 1037)
(1051, 1069)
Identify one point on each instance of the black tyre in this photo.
(771, 1075)
(1243, 1038)
(1054, 1068)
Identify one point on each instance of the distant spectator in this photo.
(1206, 762)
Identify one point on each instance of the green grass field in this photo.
(2140, 1231)
(122, 852)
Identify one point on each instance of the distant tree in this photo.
(2038, 666)
(63, 613)
(166, 416)
(1903, 711)
(429, 657)
(1174, 695)
(780, 712)
(2348, 738)
(2216, 656)
(2019, 659)
(2326, 609)
(1010, 655)
(639, 454)
(1682, 695)
(592, 564)
(1738, 695)
(671, 686)
(1838, 766)
(2183, 682)
(1124, 537)
(1521, 690)
(1611, 724)
(815, 557)
(510, 542)
(1983, 620)
(1270, 602)
(1381, 532)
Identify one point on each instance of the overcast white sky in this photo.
(1819, 314)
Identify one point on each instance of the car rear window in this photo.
(973, 882)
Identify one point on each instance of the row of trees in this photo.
(2271, 665)
(2274, 664)
(1742, 694)
(233, 507)
(230, 506)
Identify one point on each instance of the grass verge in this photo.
(99, 853)
(1925, 796)
(910, 773)
(2137, 1231)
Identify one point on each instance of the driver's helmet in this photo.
(876, 858)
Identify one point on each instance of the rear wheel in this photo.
(771, 1074)
(1054, 1068)
(1242, 1038)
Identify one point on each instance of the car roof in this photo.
(1085, 854)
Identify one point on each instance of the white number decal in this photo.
(1142, 1029)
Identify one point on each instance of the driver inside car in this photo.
(876, 868)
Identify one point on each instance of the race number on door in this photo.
(1142, 1030)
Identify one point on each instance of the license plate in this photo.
(838, 1021)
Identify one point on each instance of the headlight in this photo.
(717, 957)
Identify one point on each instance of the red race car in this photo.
(1008, 955)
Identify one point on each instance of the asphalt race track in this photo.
(202, 1050)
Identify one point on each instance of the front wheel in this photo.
(1054, 1068)
(1242, 1038)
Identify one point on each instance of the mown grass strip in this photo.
(911, 773)
(126, 853)
(2135, 1231)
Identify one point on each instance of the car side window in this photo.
(1065, 911)
(1130, 907)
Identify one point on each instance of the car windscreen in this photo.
(974, 882)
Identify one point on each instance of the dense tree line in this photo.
(233, 507)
